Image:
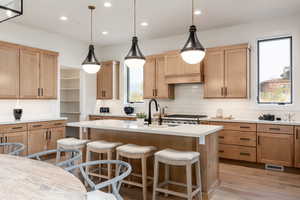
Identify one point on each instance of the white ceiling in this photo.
(165, 17)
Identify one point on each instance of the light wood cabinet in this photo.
(54, 135)
(29, 74)
(108, 80)
(48, 75)
(274, 148)
(9, 71)
(37, 141)
(226, 72)
(155, 85)
(178, 71)
(297, 146)
(17, 137)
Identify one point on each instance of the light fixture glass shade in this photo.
(135, 58)
(193, 52)
(10, 9)
(91, 64)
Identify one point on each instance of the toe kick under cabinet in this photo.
(36, 136)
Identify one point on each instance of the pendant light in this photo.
(135, 58)
(91, 64)
(193, 52)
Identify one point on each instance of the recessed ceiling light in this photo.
(197, 12)
(104, 32)
(9, 13)
(144, 24)
(107, 4)
(63, 18)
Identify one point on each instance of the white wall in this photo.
(71, 51)
(189, 97)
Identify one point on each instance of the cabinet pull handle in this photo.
(258, 140)
(244, 126)
(274, 129)
(222, 91)
(1, 140)
(221, 137)
(19, 127)
(104, 93)
(245, 139)
(225, 91)
(244, 154)
(153, 92)
(39, 92)
(221, 151)
(6, 139)
(58, 124)
(42, 91)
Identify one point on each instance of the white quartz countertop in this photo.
(113, 115)
(255, 121)
(186, 130)
(30, 120)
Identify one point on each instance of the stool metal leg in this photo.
(189, 181)
(144, 177)
(155, 181)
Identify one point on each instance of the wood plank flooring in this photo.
(244, 183)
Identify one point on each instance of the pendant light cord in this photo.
(92, 39)
(193, 12)
(134, 17)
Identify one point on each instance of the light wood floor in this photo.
(245, 183)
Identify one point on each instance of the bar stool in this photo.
(101, 147)
(132, 151)
(177, 158)
(70, 143)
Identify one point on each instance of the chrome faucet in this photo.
(149, 111)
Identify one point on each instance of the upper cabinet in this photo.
(226, 72)
(9, 71)
(27, 73)
(178, 71)
(155, 85)
(108, 80)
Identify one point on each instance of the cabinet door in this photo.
(297, 147)
(9, 72)
(275, 149)
(37, 141)
(105, 82)
(236, 65)
(48, 76)
(55, 134)
(29, 74)
(18, 137)
(163, 90)
(174, 64)
(149, 78)
(214, 74)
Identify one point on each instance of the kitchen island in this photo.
(200, 138)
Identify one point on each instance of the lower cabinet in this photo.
(236, 152)
(37, 141)
(18, 137)
(274, 148)
(297, 146)
(54, 135)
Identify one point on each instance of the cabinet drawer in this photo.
(273, 128)
(237, 138)
(38, 125)
(56, 124)
(16, 128)
(95, 118)
(236, 126)
(237, 152)
(3, 129)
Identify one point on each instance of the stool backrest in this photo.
(76, 155)
(123, 170)
(13, 148)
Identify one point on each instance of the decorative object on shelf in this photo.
(135, 58)
(104, 109)
(91, 64)
(193, 52)
(129, 109)
(18, 111)
(10, 9)
(141, 116)
(267, 117)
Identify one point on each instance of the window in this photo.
(135, 84)
(275, 71)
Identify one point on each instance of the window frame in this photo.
(128, 88)
(290, 37)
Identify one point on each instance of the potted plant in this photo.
(141, 118)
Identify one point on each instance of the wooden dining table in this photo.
(26, 179)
